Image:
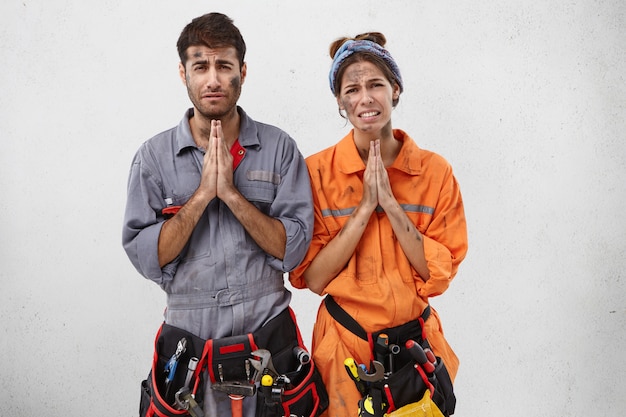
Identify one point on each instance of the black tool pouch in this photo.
(304, 394)
(408, 385)
(156, 398)
(407, 382)
(227, 360)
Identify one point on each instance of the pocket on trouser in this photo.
(305, 395)
(298, 389)
(167, 376)
(227, 358)
(144, 399)
(444, 391)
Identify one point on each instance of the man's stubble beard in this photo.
(210, 114)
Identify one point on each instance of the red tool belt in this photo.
(296, 385)
(402, 365)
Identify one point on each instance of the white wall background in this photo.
(526, 99)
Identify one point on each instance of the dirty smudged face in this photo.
(213, 79)
(366, 96)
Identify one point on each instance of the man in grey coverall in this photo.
(219, 207)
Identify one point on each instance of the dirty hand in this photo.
(383, 186)
(370, 192)
(225, 186)
(208, 181)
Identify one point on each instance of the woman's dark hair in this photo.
(213, 30)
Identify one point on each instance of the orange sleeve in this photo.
(445, 240)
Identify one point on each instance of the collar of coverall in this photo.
(238, 152)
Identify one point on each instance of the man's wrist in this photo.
(203, 196)
(231, 197)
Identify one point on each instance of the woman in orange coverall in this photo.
(390, 227)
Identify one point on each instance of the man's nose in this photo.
(212, 80)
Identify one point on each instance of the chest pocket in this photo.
(259, 188)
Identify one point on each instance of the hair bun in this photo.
(375, 37)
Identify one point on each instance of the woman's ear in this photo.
(396, 91)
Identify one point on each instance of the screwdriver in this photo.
(431, 356)
(351, 368)
(267, 381)
(417, 352)
(382, 340)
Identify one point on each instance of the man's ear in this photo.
(244, 72)
(181, 73)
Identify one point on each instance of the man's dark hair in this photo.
(213, 30)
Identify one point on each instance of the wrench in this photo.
(378, 375)
(263, 362)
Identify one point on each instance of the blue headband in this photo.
(350, 47)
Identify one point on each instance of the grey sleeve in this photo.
(143, 222)
(293, 206)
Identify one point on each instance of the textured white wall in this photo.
(526, 99)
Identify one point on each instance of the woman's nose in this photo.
(366, 98)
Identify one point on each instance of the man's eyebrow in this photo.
(223, 61)
(205, 61)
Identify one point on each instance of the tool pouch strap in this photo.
(413, 329)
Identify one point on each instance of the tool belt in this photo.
(400, 371)
(182, 361)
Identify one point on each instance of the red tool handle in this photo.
(236, 405)
(417, 352)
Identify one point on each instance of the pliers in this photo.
(172, 364)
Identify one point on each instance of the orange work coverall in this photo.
(378, 286)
